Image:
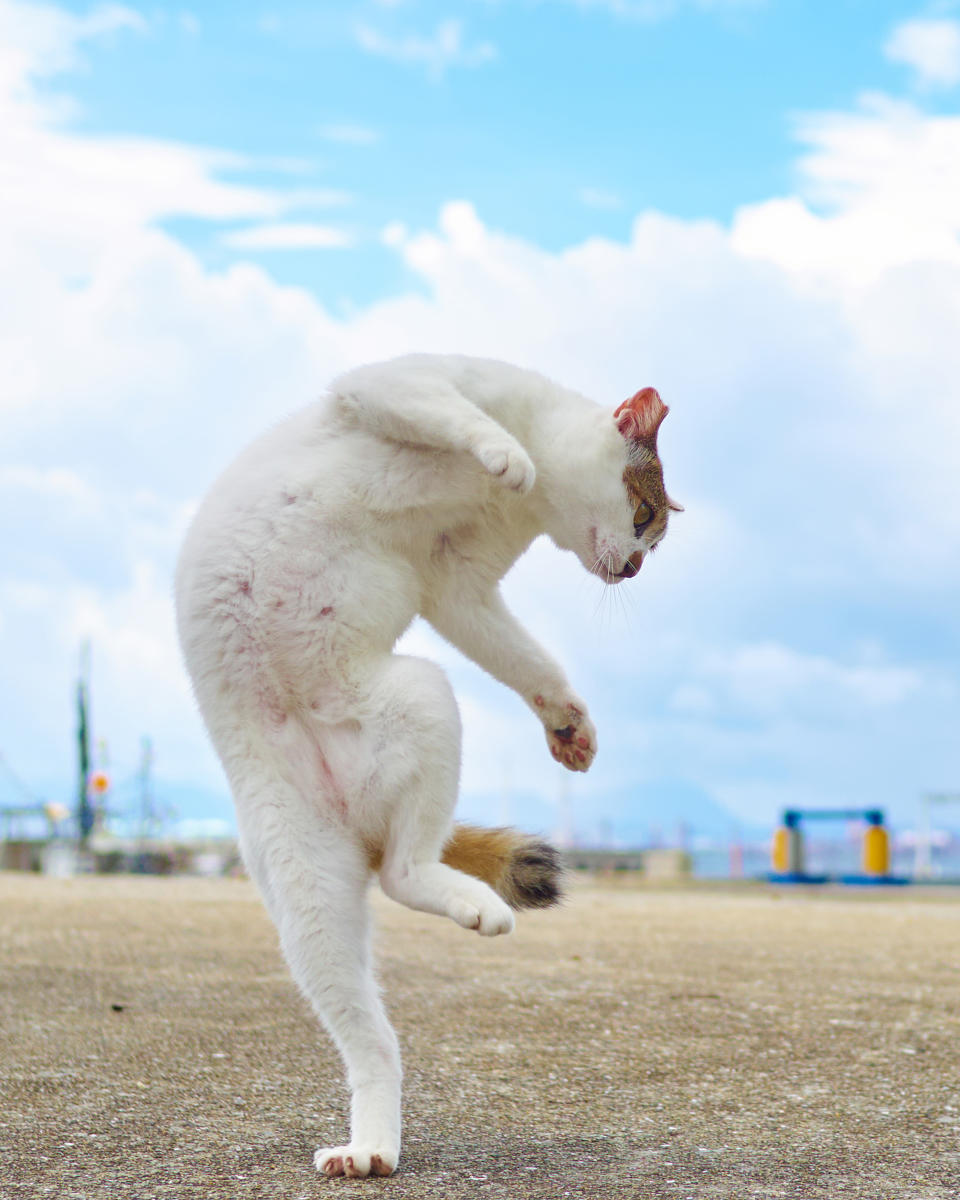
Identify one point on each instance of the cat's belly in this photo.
(296, 624)
(321, 611)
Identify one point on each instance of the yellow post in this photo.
(787, 850)
(781, 849)
(876, 851)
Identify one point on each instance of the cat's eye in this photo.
(643, 516)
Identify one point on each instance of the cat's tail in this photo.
(523, 870)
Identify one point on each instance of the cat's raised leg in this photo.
(314, 880)
(418, 769)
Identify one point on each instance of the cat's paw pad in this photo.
(489, 917)
(355, 1162)
(571, 735)
(509, 464)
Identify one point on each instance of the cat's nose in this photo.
(632, 565)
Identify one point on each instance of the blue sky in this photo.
(557, 120)
(754, 205)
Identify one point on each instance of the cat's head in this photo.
(629, 510)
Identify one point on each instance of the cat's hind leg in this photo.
(313, 877)
(417, 771)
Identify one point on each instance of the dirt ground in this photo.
(706, 1042)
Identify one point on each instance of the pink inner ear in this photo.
(641, 416)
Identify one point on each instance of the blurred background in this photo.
(208, 209)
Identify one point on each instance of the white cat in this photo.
(410, 488)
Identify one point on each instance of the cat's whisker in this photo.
(616, 600)
(598, 608)
(602, 569)
(624, 604)
(620, 601)
(601, 600)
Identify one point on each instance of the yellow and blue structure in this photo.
(788, 857)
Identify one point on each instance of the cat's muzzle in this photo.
(631, 566)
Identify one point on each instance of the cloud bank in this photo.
(791, 641)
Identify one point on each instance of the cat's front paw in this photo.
(571, 735)
(355, 1162)
(508, 463)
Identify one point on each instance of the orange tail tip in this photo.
(523, 870)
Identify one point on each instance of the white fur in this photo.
(410, 488)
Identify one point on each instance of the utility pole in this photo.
(148, 813)
(85, 814)
(923, 857)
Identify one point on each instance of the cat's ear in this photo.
(639, 418)
(674, 506)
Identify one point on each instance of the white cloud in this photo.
(42, 40)
(438, 52)
(769, 676)
(133, 631)
(26, 482)
(287, 237)
(931, 47)
(69, 198)
(888, 177)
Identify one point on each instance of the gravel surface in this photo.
(704, 1042)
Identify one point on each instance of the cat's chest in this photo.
(483, 543)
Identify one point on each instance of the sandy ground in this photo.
(637, 1043)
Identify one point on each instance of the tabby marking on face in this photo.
(639, 420)
(647, 493)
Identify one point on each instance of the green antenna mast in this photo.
(84, 807)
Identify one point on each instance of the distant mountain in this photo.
(658, 812)
(665, 811)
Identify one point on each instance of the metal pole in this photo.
(84, 807)
(147, 814)
(923, 865)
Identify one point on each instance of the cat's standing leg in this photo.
(313, 877)
(418, 769)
